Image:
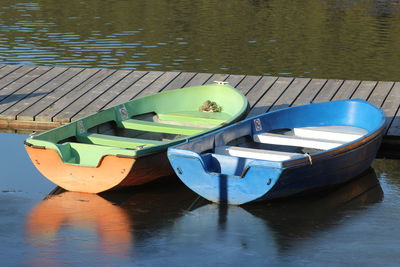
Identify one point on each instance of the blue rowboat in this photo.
(282, 153)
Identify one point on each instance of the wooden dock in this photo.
(39, 97)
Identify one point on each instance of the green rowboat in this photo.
(126, 144)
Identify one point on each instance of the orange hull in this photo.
(112, 171)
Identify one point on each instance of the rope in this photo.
(309, 157)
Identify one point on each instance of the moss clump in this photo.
(210, 106)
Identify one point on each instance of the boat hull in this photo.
(111, 172)
(126, 144)
(235, 179)
(330, 170)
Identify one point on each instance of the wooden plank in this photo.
(234, 80)
(199, 79)
(217, 78)
(392, 111)
(262, 154)
(346, 90)
(28, 89)
(271, 96)
(97, 91)
(180, 81)
(291, 140)
(331, 133)
(159, 84)
(28, 84)
(328, 91)
(364, 90)
(135, 89)
(19, 125)
(71, 96)
(12, 78)
(290, 94)
(261, 87)
(32, 98)
(6, 70)
(380, 93)
(248, 83)
(157, 127)
(26, 94)
(110, 94)
(394, 128)
(49, 100)
(116, 141)
(309, 93)
(8, 93)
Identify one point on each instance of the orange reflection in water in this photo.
(84, 212)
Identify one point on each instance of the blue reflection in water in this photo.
(166, 223)
(18, 175)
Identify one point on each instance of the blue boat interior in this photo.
(284, 136)
(225, 164)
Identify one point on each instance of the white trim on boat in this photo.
(253, 153)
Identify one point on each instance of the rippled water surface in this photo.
(315, 38)
(164, 223)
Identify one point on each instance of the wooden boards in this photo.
(40, 97)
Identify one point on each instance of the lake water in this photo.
(316, 38)
(165, 223)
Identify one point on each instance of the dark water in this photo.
(346, 39)
(166, 224)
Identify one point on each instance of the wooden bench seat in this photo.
(202, 118)
(288, 140)
(117, 141)
(253, 153)
(334, 133)
(157, 127)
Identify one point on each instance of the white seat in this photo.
(334, 133)
(253, 153)
(288, 140)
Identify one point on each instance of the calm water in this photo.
(165, 223)
(346, 39)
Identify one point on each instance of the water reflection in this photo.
(326, 39)
(83, 213)
(269, 229)
(299, 219)
(165, 218)
(109, 224)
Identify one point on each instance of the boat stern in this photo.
(201, 174)
(110, 171)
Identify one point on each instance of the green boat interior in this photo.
(139, 127)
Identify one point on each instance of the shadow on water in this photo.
(295, 219)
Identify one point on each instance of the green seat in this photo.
(117, 141)
(157, 127)
(88, 154)
(206, 118)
